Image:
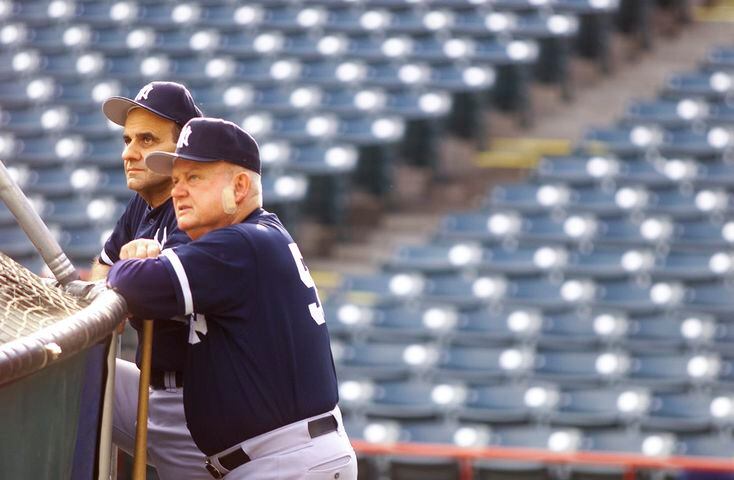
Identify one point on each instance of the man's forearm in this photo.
(146, 286)
(98, 270)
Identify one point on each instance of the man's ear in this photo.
(242, 185)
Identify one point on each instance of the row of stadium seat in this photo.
(505, 325)
(567, 366)
(539, 402)
(650, 443)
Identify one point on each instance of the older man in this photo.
(152, 121)
(261, 390)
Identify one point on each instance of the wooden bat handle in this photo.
(141, 430)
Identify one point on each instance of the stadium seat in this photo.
(671, 331)
(713, 86)
(606, 407)
(509, 403)
(629, 441)
(498, 325)
(687, 412)
(721, 57)
(593, 170)
(484, 364)
(385, 361)
(85, 243)
(412, 400)
(581, 367)
(432, 259)
(708, 445)
(674, 371)
(584, 329)
(670, 113)
(78, 212)
(15, 242)
(383, 288)
(413, 322)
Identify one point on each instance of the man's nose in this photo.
(130, 153)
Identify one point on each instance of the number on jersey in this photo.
(317, 311)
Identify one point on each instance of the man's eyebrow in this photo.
(147, 134)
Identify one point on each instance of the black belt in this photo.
(237, 458)
(158, 379)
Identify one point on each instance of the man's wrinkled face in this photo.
(197, 195)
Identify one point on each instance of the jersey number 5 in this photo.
(317, 311)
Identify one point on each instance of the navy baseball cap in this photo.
(209, 140)
(169, 100)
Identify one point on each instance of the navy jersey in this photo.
(140, 221)
(260, 356)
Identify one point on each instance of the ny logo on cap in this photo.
(183, 140)
(143, 93)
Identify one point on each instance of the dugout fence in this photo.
(45, 339)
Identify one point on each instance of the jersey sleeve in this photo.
(210, 272)
(122, 234)
(177, 237)
(146, 286)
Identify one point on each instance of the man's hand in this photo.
(85, 290)
(140, 248)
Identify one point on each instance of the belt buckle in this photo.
(213, 471)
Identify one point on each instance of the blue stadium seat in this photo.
(15, 243)
(385, 288)
(713, 86)
(581, 367)
(77, 212)
(669, 113)
(104, 14)
(682, 412)
(721, 57)
(509, 403)
(712, 297)
(412, 400)
(348, 318)
(669, 200)
(630, 441)
(42, 10)
(675, 371)
(467, 292)
(484, 364)
(356, 129)
(606, 407)
(439, 258)
(672, 331)
(85, 243)
(707, 445)
(591, 170)
(385, 361)
(413, 322)
(499, 325)
(111, 182)
(574, 329)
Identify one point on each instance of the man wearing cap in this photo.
(152, 121)
(261, 390)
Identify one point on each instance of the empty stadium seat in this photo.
(688, 412)
(606, 407)
(484, 364)
(513, 403)
(382, 361)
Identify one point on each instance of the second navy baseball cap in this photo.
(169, 100)
(209, 140)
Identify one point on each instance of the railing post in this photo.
(629, 473)
(466, 470)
